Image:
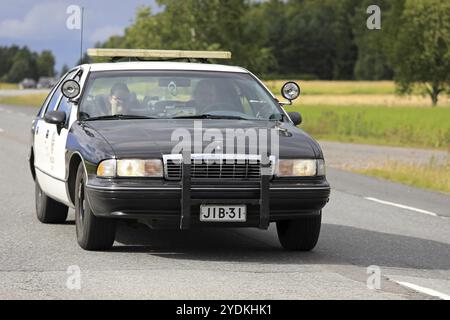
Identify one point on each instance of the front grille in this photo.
(237, 169)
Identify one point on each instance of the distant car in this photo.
(103, 144)
(27, 84)
(46, 83)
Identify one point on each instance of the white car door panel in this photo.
(50, 148)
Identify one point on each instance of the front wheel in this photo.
(47, 209)
(93, 233)
(300, 234)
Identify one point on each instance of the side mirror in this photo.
(290, 91)
(70, 89)
(295, 117)
(55, 117)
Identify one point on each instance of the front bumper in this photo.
(176, 204)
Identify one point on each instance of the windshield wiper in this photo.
(211, 116)
(118, 117)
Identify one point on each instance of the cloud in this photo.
(102, 34)
(45, 20)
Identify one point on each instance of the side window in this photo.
(65, 106)
(46, 102)
(53, 102)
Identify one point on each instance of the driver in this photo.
(204, 95)
(120, 98)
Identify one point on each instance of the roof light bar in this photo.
(142, 53)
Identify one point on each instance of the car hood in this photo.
(153, 138)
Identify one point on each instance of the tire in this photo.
(48, 210)
(300, 234)
(93, 233)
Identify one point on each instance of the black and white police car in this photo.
(103, 144)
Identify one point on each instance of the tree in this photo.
(202, 25)
(371, 63)
(23, 66)
(84, 60)
(7, 55)
(344, 38)
(19, 71)
(64, 70)
(19, 63)
(418, 47)
(308, 44)
(46, 64)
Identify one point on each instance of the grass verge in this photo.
(34, 100)
(393, 126)
(432, 176)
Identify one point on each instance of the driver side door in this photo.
(49, 146)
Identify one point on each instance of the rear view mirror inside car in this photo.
(179, 82)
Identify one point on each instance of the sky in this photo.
(41, 24)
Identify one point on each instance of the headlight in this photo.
(131, 168)
(139, 168)
(321, 167)
(107, 169)
(301, 168)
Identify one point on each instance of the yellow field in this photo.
(8, 86)
(386, 100)
(34, 100)
(320, 87)
(355, 93)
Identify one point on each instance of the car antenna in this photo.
(81, 35)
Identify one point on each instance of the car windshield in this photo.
(122, 95)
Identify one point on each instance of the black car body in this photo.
(68, 146)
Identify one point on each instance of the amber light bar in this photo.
(172, 54)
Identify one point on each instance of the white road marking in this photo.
(8, 111)
(402, 206)
(424, 290)
(1, 130)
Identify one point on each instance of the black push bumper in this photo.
(177, 204)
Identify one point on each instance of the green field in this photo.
(395, 126)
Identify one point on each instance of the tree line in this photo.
(298, 39)
(18, 63)
(308, 39)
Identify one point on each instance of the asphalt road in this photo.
(363, 156)
(365, 224)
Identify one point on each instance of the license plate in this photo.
(223, 213)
